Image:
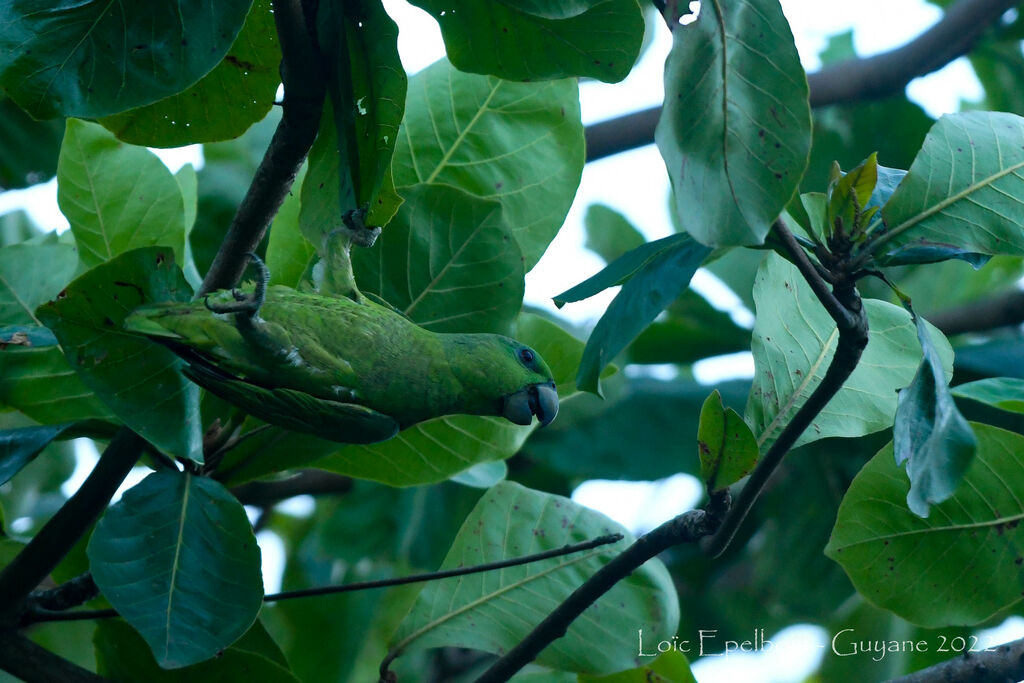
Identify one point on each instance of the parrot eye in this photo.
(526, 355)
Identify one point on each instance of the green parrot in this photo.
(348, 369)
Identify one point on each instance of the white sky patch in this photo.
(789, 656)
(640, 505)
(272, 552)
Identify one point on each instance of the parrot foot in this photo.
(361, 234)
(246, 305)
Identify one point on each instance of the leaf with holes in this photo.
(447, 261)
(794, 340)
(116, 196)
(530, 42)
(94, 58)
(520, 144)
(177, 558)
(473, 611)
(963, 196)
(138, 380)
(243, 83)
(735, 149)
(936, 571)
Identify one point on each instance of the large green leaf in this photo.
(448, 261)
(930, 436)
(752, 140)
(793, 344)
(138, 380)
(962, 196)
(609, 233)
(37, 378)
(518, 143)
(29, 153)
(223, 104)
(517, 43)
(116, 196)
(1005, 393)
(473, 611)
(122, 655)
(177, 558)
(367, 85)
(96, 58)
(945, 569)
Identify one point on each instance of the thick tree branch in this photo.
(853, 80)
(304, 89)
(33, 663)
(688, 527)
(1003, 664)
(46, 549)
(998, 311)
(844, 306)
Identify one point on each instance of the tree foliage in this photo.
(879, 460)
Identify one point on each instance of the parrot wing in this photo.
(296, 410)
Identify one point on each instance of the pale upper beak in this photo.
(537, 399)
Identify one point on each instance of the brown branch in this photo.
(46, 549)
(688, 527)
(33, 663)
(998, 311)
(1003, 664)
(309, 482)
(858, 79)
(304, 89)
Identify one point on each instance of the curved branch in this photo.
(304, 89)
(308, 482)
(998, 311)
(1002, 664)
(33, 663)
(864, 78)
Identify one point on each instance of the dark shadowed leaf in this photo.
(510, 521)
(752, 142)
(223, 104)
(931, 438)
(177, 558)
(609, 234)
(138, 380)
(690, 330)
(29, 153)
(518, 143)
(511, 41)
(936, 571)
(19, 446)
(95, 58)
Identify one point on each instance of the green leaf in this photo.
(850, 196)
(447, 261)
(793, 343)
(552, 9)
(18, 447)
(558, 348)
(937, 571)
(94, 58)
(725, 444)
(651, 288)
(24, 285)
(122, 656)
(961, 197)
(138, 380)
(223, 104)
(931, 438)
(26, 336)
(513, 42)
(609, 234)
(1005, 393)
(690, 330)
(752, 141)
(290, 256)
(177, 558)
(510, 521)
(367, 85)
(518, 143)
(670, 667)
(30, 149)
(117, 197)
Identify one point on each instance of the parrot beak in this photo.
(537, 399)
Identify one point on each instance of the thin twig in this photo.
(859, 79)
(41, 615)
(844, 306)
(306, 483)
(304, 89)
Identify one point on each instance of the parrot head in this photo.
(505, 377)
